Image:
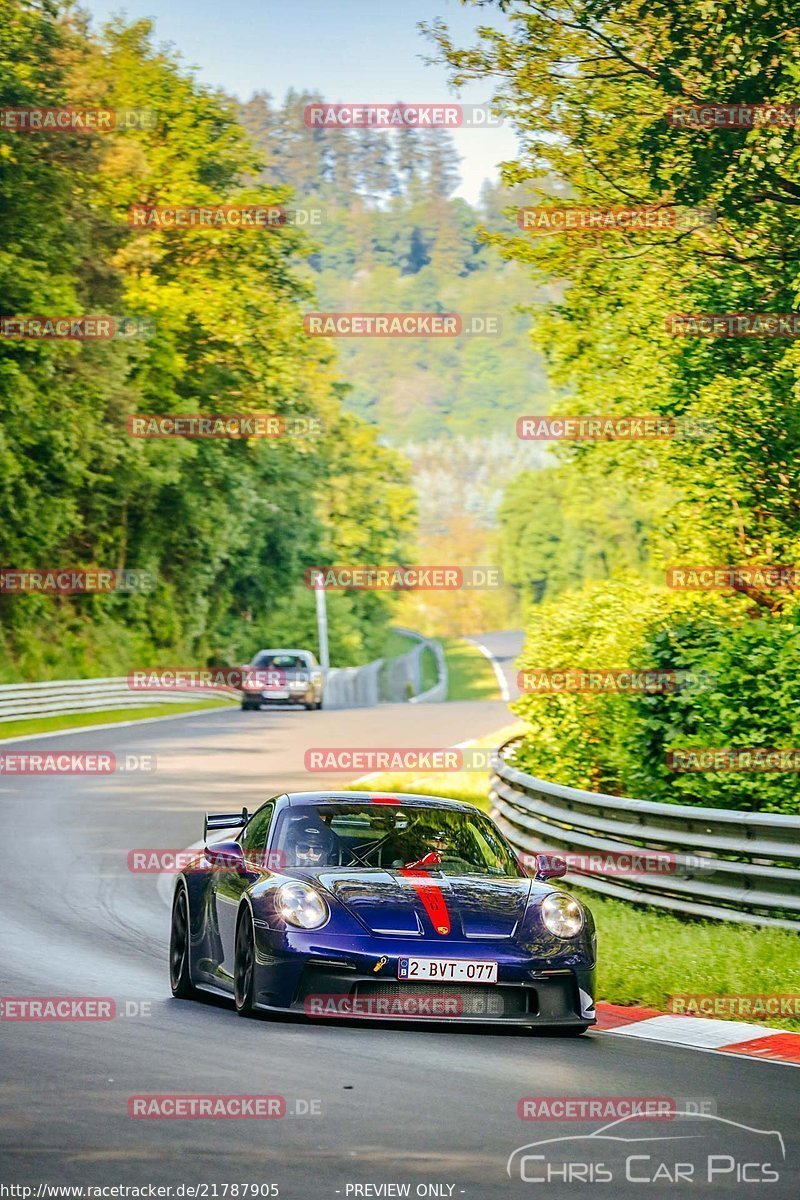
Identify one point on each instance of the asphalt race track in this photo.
(396, 1104)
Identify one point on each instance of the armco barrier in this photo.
(439, 690)
(401, 678)
(733, 866)
(19, 701)
(353, 687)
(347, 687)
(388, 681)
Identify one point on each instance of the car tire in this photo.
(180, 976)
(319, 704)
(309, 705)
(244, 965)
(249, 707)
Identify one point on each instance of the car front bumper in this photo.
(291, 696)
(355, 983)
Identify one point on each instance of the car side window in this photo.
(254, 838)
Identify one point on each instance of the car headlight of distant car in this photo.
(300, 904)
(562, 915)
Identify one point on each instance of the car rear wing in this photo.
(225, 821)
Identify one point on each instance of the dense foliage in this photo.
(393, 237)
(589, 85)
(226, 527)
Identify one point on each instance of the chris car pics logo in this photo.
(694, 1148)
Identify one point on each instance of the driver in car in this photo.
(439, 843)
(310, 844)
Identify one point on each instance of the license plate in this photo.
(449, 970)
(276, 695)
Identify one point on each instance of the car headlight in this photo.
(301, 905)
(562, 915)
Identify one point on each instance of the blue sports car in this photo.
(331, 904)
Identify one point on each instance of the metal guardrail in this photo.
(388, 681)
(438, 692)
(346, 687)
(353, 687)
(724, 865)
(19, 701)
(402, 677)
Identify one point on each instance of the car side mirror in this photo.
(549, 866)
(225, 856)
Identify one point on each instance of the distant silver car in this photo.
(284, 677)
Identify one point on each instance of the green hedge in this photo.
(744, 691)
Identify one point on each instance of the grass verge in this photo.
(78, 720)
(646, 956)
(430, 670)
(471, 786)
(470, 675)
(396, 644)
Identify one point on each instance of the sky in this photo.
(349, 50)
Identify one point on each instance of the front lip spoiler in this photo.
(525, 1021)
(297, 1012)
(395, 1022)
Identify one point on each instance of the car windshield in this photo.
(392, 837)
(281, 662)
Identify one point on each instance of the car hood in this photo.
(429, 903)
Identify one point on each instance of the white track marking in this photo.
(502, 682)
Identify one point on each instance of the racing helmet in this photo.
(309, 843)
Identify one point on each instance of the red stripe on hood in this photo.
(432, 898)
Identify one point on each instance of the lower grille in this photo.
(472, 1000)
